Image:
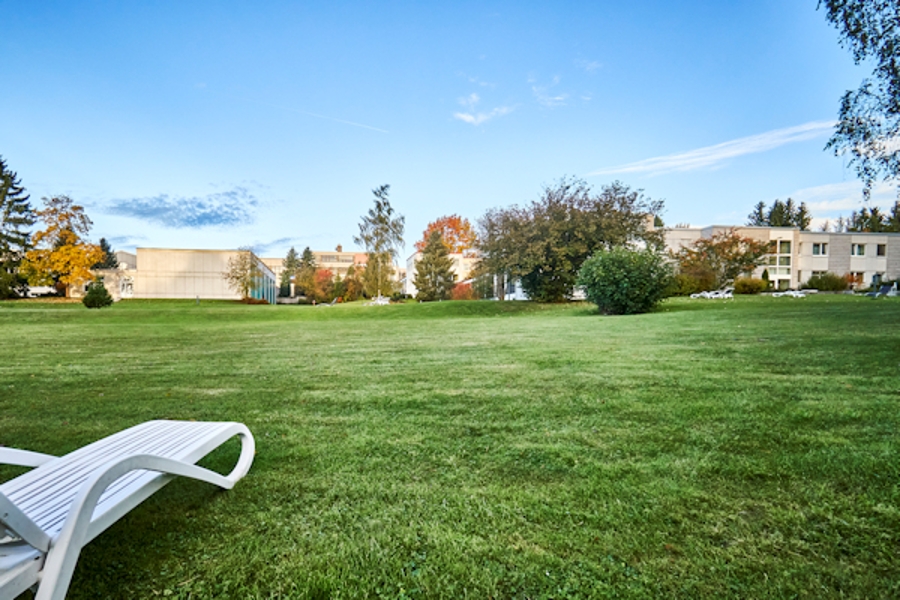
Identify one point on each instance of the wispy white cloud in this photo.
(844, 197)
(544, 94)
(588, 65)
(473, 117)
(712, 156)
(481, 83)
(479, 118)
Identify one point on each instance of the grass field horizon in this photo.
(709, 449)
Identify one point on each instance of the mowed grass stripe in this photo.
(484, 449)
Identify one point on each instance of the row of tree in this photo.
(869, 220)
(543, 244)
(790, 214)
(59, 255)
(780, 214)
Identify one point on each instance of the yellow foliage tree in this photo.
(61, 256)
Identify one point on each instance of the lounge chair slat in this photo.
(73, 498)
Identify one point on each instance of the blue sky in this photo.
(226, 124)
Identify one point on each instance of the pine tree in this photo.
(757, 218)
(777, 216)
(109, 257)
(893, 220)
(434, 272)
(803, 217)
(97, 296)
(306, 273)
(16, 219)
(780, 214)
(291, 264)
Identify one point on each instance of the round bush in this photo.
(827, 282)
(623, 281)
(750, 285)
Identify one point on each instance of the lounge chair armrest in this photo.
(63, 555)
(23, 458)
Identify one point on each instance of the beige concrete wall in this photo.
(169, 273)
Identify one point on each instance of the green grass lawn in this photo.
(742, 449)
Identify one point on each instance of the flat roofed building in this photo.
(180, 273)
(795, 256)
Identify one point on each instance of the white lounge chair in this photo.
(48, 514)
(791, 293)
(724, 293)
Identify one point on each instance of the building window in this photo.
(784, 247)
(881, 250)
(857, 250)
(820, 249)
(784, 261)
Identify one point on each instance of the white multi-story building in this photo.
(795, 256)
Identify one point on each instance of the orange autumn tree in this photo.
(456, 232)
(61, 256)
(323, 290)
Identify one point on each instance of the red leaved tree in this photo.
(456, 232)
(721, 257)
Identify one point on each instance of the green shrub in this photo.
(827, 282)
(685, 284)
(97, 296)
(622, 281)
(750, 285)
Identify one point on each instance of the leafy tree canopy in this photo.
(435, 278)
(869, 118)
(546, 242)
(721, 257)
(457, 233)
(242, 272)
(381, 234)
(62, 256)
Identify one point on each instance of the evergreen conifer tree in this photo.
(757, 218)
(291, 264)
(109, 257)
(97, 296)
(435, 278)
(16, 219)
(305, 282)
